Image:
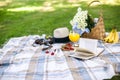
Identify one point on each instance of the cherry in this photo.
(52, 53)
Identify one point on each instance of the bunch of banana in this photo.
(113, 36)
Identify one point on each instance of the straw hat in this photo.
(61, 35)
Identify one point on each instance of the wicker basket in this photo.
(97, 32)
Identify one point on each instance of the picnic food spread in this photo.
(36, 57)
(19, 59)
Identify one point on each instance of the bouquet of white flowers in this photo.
(83, 24)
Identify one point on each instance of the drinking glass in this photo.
(74, 37)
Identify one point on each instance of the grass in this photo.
(43, 16)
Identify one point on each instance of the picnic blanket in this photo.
(19, 60)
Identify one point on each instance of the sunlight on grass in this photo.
(2, 26)
(29, 17)
(47, 7)
(111, 2)
(33, 8)
(5, 2)
(61, 5)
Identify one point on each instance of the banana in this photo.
(113, 36)
(116, 36)
(110, 37)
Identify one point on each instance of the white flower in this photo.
(80, 18)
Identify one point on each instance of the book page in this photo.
(89, 44)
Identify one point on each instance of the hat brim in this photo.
(61, 40)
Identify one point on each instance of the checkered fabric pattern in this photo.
(19, 60)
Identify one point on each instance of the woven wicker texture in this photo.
(98, 32)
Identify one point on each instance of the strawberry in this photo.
(71, 48)
(47, 52)
(69, 45)
(52, 53)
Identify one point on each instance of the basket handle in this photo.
(95, 2)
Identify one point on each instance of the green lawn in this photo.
(29, 17)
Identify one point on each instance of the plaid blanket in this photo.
(19, 60)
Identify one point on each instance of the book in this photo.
(87, 49)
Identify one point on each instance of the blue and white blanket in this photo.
(19, 60)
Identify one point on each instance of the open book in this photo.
(87, 49)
